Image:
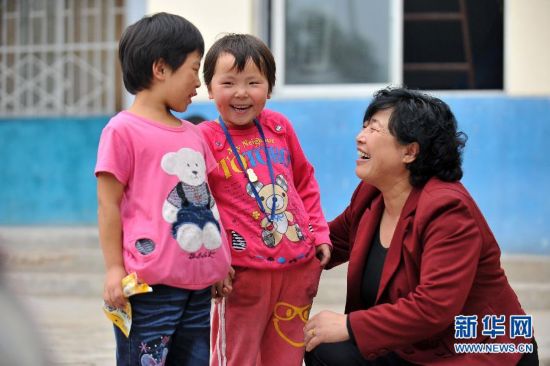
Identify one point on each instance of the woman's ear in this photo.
(411, 152)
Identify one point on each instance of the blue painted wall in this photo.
(46, 168)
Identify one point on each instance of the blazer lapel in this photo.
(393, 257)
(358, 256)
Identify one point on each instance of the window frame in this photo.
(283, 90)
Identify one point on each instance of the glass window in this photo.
(353, 47)
(453, 44)
(327, 42)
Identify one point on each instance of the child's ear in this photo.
(269, 95)
(159, 69)
(210, 96)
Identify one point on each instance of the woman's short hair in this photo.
(428, 121)
(161, 36)
(243, 47)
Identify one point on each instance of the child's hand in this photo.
(112, 291)
(224, 287)
(322, 252)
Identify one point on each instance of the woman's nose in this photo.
(361, 136)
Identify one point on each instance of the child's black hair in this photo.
(243, 47)
(161, 36)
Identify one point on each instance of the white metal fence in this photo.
(59, 57)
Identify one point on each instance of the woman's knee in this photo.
(335, 354)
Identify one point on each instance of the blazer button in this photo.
(372, 356)
(384, 351)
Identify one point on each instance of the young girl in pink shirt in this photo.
(270, 208)
(156, 214)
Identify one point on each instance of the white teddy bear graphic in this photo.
(190, 207)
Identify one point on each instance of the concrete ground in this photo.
(56, 277)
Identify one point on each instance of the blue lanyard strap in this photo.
(271, 217)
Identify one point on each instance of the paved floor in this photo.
(59, 285)
(77, 333)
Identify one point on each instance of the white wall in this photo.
(527, 47)
(212, 17)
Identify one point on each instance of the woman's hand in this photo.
(322, 252)
(325, 327)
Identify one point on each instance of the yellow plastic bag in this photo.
(122, 318)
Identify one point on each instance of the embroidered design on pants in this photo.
(285, 312)
(154, 352)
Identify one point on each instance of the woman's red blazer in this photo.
(443, 262)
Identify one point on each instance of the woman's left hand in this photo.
(325, 327)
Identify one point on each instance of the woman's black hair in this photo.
(161, 36)
(243, 47)
(428, 121)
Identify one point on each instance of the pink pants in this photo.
(261, 322)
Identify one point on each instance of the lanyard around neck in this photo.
(249, 172)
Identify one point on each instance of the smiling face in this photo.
(182, 83)
(239, 96)
(381, 158)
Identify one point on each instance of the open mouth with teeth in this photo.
(240, 108)
(363, 155)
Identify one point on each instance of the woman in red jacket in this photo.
(424, 273)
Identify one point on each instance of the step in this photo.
(56, 283)
(48, 236)
(52, 261)
(526, 268)
(528, 276)
(69, 260)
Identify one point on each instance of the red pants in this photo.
(261, 322)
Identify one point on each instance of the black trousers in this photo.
(347, 353)
(530, 359)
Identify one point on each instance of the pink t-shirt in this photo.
(170, 224)
(298, 223)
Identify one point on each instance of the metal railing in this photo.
(58, 57)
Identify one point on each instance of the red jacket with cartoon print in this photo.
(258, 238)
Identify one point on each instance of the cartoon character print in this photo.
(283, 222)
(190, 207)
(154, 352)
(148, 360)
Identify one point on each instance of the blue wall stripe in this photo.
(46, 173)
